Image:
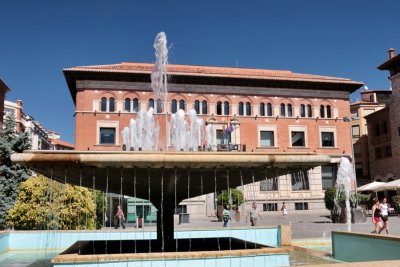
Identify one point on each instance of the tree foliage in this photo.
(46, 204)
(11, 174)
(235, 194)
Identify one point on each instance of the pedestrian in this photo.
(385, 215)
(254, 214)
(376, 216)
(284, 210)
(226, 216)
(121, 217)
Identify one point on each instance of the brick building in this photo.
(384, 126)
(3, 91)
(272, 111)
(370, 102)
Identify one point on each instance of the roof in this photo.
(377, 113)
(208, 75)
(62, 143)
(3, 87)
(391, 63)
(383, 91)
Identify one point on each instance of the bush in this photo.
(237, 198)
(45, 204)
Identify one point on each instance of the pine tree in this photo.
(11, 174)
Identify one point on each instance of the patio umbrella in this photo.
(391, 185)
(374, 186)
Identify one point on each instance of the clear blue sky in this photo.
(40, 38)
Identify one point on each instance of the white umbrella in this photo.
(374, 186)
(391, 185)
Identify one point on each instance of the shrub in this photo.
(236, 195)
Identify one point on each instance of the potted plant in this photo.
(234, 198)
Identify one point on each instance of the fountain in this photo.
(170, 176)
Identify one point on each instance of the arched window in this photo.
(302, 110)
(103, 104)
(182, 104)
(127, 104)
(219, 108)
(112, 104)
(204, 107)
(262, 109)
(159, 106)
(151, 103)
(309, 111)
(328, 111)
(248, 109)
(174, 106)
(282, 110)
(135, 105)
(322, 111)
(289, 110)
(226, 108)
(197, 106)
(241, 109)
(269, 109)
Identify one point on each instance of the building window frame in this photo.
(327, 129)
(298, 128)
(107, 124)
(267, 128)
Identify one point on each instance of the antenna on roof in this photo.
(237, 63)
(366, 88)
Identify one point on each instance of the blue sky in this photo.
(40, 38)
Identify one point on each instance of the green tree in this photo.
(11, 174)
(235, 194)
(46, 204)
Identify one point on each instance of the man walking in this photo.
(121, 217)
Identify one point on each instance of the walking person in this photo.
(376, 216)
(284, 210)
(385, 215)
(121, 217)
(254, 214)
(226, 216)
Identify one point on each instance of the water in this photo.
(345, 182)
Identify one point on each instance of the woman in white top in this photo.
(385, 215)
(284, 210)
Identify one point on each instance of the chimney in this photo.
(391, 53)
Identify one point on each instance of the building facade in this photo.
(3, 91)
(370, 102)
(270, 111)
(384, 127)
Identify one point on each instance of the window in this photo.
(269, 109)
(289, 110)
(241, 112)
(328, 173)
(204, 107)
(309, 111)
(159, 106)
(103, 104)
(112, 104)
(181, 209)
(298, 139)
(327, 139)
(135, 105)
(182, 104)
(226, 108)
(262, 109)
(301, 206)
(127, 104)
(248, 109)
(328, 111)
(267, 139)
(151, 103)
(174, 107)
(385, 127)
(355, 130)
(282, 110)
(219, 108)
(222, 137)
(388, 151)
(378, 153)
(197, 106)
(354, 114)
(302, 110)
(269, 184)
(322, 111)
(107, 136)
(357, 150)
(300, 181)
(270, 206)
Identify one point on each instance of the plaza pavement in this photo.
(305, 225)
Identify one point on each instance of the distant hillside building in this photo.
(3, 91)
(272, 111)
